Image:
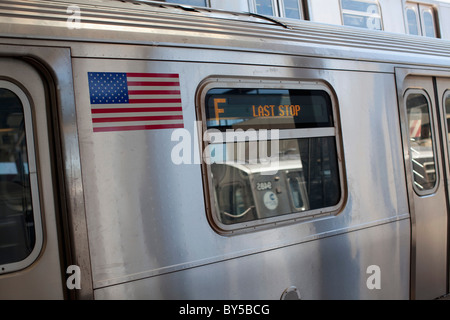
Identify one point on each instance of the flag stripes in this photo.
(135, 101)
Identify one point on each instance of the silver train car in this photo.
(162, 151)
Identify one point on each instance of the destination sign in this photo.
(273, 111)
(287, 111)
(268, 108)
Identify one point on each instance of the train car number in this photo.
(260, 186)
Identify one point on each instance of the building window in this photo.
(195, 3)
(291, 9)
(255, 179)
(361, 13)
(420, 20)
(265, 7)
(412, 20)
(279, 8)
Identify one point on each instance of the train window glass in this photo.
(421, 142)
(20, 234)
(305, 178)
(447, 114)
(362, 14)
(257, 179)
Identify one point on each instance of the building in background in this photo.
(422, 18)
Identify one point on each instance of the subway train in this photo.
(189, 151)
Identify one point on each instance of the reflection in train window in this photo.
(421, 142)
(362, 14)
(305, 177)
(272, 155)
(17, 225)
(296, 189)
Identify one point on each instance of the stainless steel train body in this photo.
(356, 207)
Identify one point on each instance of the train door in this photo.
(443, 97)
(30, 266)
(425, 152)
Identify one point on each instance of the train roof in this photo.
(160, 24)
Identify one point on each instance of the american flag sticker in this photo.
(135, 101)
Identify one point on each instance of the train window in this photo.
(421, 142)
(362, 14)
(20, 231)
(271, 154)
(420, 19)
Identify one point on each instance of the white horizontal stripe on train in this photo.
(136, 114)
(153, 88)
(135, 105)
(135, 123)
(154, 96)
(152, 79)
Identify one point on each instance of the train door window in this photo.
(271, 154)
(447, 116)
(362, 14)
(20, 220)
(421, 142)
(420, 19)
